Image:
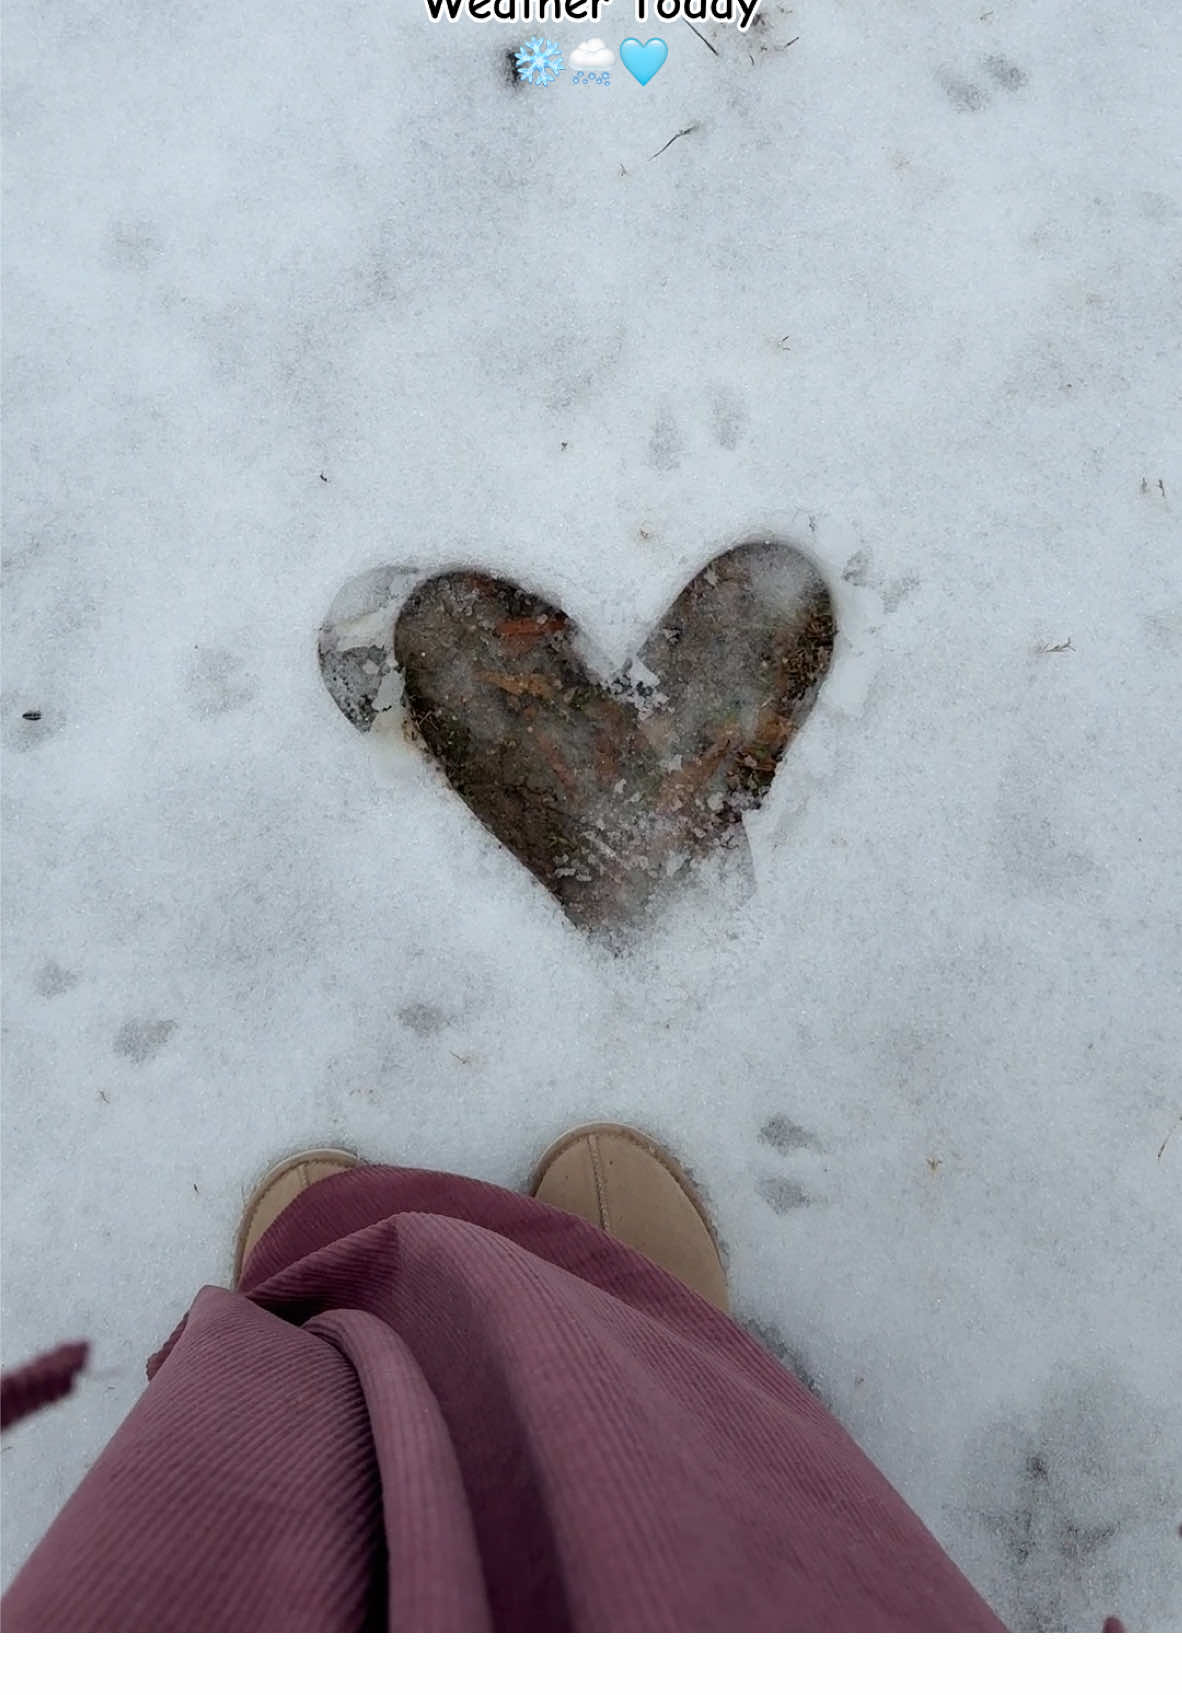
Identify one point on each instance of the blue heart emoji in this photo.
(643, 58)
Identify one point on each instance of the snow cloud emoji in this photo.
(592, 56)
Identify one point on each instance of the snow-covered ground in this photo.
(295, 291)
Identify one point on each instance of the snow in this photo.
(297, 295)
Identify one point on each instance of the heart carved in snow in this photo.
(605, 789)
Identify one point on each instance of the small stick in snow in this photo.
(701, 37)
(688, 130)
(1055, 647)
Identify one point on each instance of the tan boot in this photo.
(636, 1192)
(279, 1188)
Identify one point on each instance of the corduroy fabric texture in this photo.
(44, 1380)
(436, 1405)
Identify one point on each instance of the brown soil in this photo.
(608, 789)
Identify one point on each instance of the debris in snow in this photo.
(593, 785)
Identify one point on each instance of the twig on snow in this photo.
(701, 37)
(688, 130)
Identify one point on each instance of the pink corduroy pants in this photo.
(436, 1405)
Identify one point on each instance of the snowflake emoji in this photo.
(539, 61)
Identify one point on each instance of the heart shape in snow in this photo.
(605, 790)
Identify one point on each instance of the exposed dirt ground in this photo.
(606, 789)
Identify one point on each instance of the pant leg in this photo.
(438, 1405)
